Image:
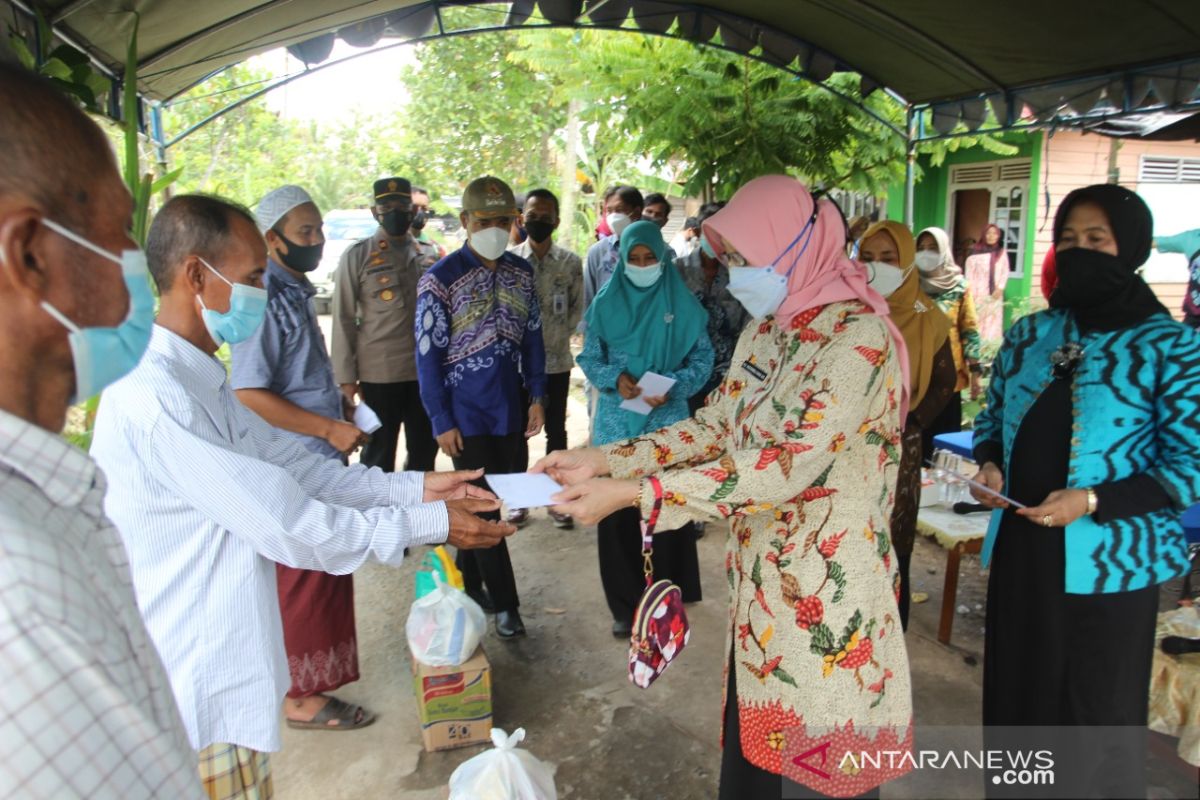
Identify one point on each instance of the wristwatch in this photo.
(538, 400)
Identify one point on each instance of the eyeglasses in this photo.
(732, 258)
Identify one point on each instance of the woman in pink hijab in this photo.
(798, 448)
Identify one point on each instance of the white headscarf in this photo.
(947, 274)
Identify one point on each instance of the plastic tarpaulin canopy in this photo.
(926, 51)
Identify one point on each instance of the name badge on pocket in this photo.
(755, 370)
(560, 303)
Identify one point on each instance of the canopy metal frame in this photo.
(1071, 102)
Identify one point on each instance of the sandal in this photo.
(346, 714)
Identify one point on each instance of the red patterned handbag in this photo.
(660, 624)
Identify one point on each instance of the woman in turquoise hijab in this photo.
(643, 320)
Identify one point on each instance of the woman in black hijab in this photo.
(1093, 424)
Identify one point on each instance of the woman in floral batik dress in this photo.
(798, 448)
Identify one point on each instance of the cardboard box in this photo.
(454, 703)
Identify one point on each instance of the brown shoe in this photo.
(563, 521)
(518, 516)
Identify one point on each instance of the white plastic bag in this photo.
(504, 773)
(444, 627)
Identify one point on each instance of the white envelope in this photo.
(365, 419)
(653, 385)
(524, 489)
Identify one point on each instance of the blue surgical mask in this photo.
(247, 307)
(103, 356)
(706, 247)
(643, 277)
(762, 290)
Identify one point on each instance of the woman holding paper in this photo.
(1093, 421)
(799, 449)
(644, 325)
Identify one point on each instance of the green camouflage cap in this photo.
(490, 197)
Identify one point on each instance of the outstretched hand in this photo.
(454, 485)
(569, 467)
(469, 532)
(593, 500)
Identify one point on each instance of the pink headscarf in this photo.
(764, 217)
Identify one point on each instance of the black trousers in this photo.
(1069, 660)
(491, 566)
(619, 540)
(399, 404)
(558, 384)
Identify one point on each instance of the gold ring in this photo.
(1048, 520)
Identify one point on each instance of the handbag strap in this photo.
(648, 531)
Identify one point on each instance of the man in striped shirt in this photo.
(86, 709)
(208, 497)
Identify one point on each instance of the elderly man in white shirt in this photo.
(207, 497)
(86, 708)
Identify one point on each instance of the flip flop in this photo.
(346, 715)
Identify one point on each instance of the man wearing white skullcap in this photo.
(282, 372)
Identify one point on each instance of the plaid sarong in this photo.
(229, 772)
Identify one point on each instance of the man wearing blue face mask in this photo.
(87, 709)
(209, 498)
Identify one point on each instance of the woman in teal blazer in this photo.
(1093, 422)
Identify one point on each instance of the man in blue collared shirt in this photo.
(479, 341)
(282, 372)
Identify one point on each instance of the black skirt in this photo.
(1058, 659)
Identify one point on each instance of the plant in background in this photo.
(71, 71)
(66, 67)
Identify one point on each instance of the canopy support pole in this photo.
(158, 137)
(910, 165)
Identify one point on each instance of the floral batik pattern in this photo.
(799, 449)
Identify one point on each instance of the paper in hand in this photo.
(524, 489)
(653, 385)
(983, 488)
(365, 419)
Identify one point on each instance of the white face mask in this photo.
(643, 277)
(618, 222)
(885, 278)
(490, 242)
(928, 260)
(760, 290)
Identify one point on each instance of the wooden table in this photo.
(958, 533)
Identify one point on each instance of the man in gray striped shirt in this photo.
(86, 708)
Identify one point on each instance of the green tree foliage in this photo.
(252, 150)
(473, 112)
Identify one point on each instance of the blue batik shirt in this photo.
(287, 354)
(479, 341)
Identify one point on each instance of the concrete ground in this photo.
(566, 682)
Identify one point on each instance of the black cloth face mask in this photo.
(396, 222)
(301, 258)
(418, 221)
(538, 230)
(1101, 290)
